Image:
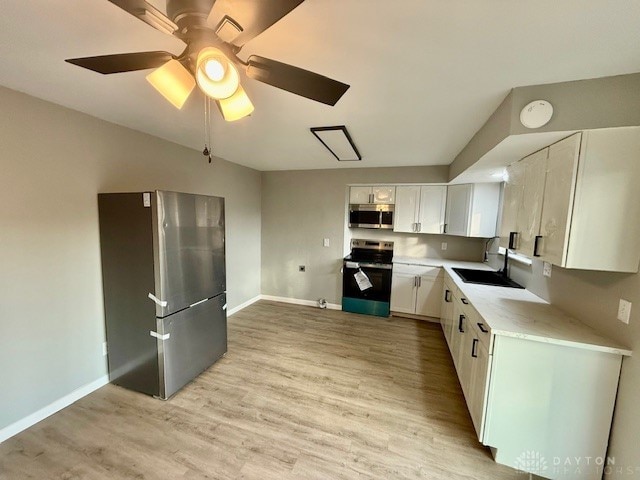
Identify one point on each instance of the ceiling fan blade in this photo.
(296, 80)
(253, 16)
(149, 14)
(123, 62)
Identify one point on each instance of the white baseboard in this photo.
(243, 305)
(30, 420)
(26, 422)
(298, 301)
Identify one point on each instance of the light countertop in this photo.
(519, 313)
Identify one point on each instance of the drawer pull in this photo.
(481, 327)
(447, 296)
(474, 353)
(460, 327)
(465, 301)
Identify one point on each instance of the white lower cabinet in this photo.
(446, 310)
(416, 289)
(529, 397)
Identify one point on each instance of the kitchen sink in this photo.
(485, 277)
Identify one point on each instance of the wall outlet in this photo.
(325, 242)
(443, 246)
(624, 311)
(301, 268)
(546, 269)
(105, 349)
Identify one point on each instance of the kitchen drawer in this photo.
(481, 330)
(418, 270)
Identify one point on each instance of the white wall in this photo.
(53, 162)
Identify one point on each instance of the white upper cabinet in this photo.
(359, 195)
(522, 202)
(511, 201)
(433, 200)
(591, 206)
(457, 211)
(530, 212)
(406, 209)
(420, 209)
(472, 210)
(562, 168)
(384, 194)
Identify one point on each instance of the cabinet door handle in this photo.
(460, 326)
(447, 296)
(512, 240)
(419, 226)
(465, 301)
(419, 281)
(474, 353)
(414, 226)
(444, 228)
(481, 327)
(415, 281)
(536, 242)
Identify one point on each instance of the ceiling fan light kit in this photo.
(173, 81)
(217, 77)
(235, 107)
(210, 57)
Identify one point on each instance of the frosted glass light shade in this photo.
(237, 106)
(173, 81)
(225, 86)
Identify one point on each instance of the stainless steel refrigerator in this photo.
(164, 279)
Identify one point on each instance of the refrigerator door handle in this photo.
(166, 336)
(162, 303)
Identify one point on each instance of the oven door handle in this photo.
(375, 265)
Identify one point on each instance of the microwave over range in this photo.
(371, 216)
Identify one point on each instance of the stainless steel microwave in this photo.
(371, 216)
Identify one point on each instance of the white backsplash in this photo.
(423, 245)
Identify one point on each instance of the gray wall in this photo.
(578, 105)
(54, 161)
(592, 297)
(300, 208)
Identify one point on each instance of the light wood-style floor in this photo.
(303, 393)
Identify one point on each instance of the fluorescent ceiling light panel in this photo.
(338, 141)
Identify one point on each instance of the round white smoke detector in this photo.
(536, 114)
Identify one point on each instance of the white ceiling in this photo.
(424, 74)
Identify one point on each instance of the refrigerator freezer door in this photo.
(197, 337)
(189, 250)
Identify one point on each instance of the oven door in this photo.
(379, 276)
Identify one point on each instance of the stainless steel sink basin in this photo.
(485, 277)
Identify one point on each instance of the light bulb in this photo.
(216, 75)
(214, 69)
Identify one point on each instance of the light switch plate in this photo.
(443, 246)
(624, 311)
(325, 242)
(546, 269)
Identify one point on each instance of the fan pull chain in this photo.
(210, 132)
(208, 149)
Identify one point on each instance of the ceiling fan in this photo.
(214, 32)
